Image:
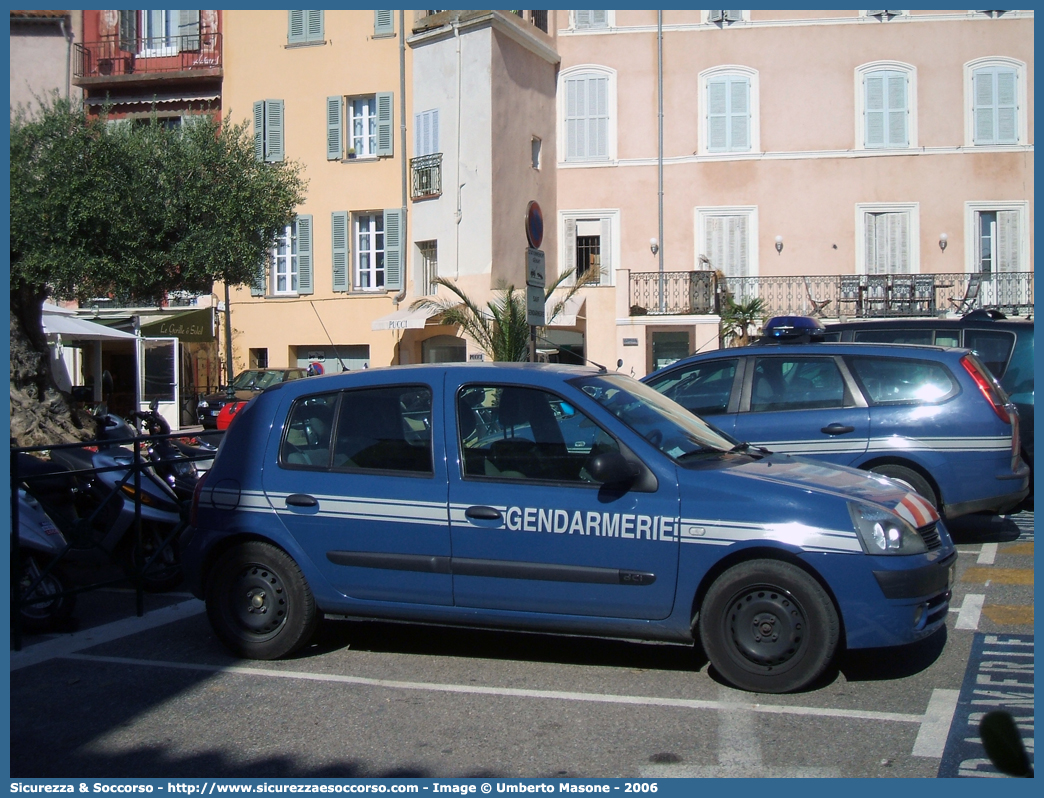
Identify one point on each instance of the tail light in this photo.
(990, 389)
(194, 510)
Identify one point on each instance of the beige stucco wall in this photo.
(41, 60)
(259, 65)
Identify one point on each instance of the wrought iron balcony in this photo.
(833, 295)
(127, 59)
(427, 175)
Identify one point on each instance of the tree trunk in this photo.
(40, 412)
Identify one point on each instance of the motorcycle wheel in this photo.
(49, 606)
(164, 573)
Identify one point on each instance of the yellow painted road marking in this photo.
(1008, 615)
(1000, 576)
(1019, 548)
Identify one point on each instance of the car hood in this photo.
(841, 481)
(242, 396)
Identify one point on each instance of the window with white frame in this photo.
(590, 20)
(359, 127)
(727, 242)
(290, 260)
(362, 115)
(305, 27)
(723, 18)
(886, 106)
(588, 103)
(589, 242)
(426, 133)
(729, 98)
(428, 268)
(995, 94)
(369, 251)
(883, 16)
(997, 235)
(159, 33)
(888, 239)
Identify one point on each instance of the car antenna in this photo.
(558, 349)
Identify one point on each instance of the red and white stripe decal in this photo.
(916, 510)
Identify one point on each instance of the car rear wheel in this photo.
(259, 602)
(769, 627)
(909, 478)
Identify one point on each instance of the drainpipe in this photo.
(460, 213)
(659, 149)
(405, 166)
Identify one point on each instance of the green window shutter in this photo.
(259, 130)
(188, 29)
(339, 226)
(393, 249)
(273, 130)
(313, 26)
(385, 119)
(257, 286)
(296, 30)
(717, 115)
(334, 125)
(129, 31)
(304, 254)
(874, 110)
(383, 23)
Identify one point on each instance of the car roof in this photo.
(970, 320)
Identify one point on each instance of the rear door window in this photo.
(306, 439)
(902, 381)
(993, 348)
(701, 388)
(384, 429)
(796, 383)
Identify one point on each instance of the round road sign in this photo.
(534, 224)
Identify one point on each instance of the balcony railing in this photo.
(834, 295)
(427, 175)
(122, 57)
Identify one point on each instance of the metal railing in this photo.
(121, 57)
(427, 175)
(833, 295)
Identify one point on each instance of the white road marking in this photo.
(78, 641)
(931, 738)
(988, 554)
(971, 609)
(470, 689)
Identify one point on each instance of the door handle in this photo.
(479, 513)
(300, 500)
(837, 429)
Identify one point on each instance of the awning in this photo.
(403, 320)
(567, 315)
(151, 100)
(188, 326)
(58, 322)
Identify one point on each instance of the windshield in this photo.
(664, 423)
(256, 380)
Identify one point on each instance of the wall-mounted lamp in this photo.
(942, 241)
(654, 246)
(779, 244)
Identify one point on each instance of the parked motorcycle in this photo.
(43, 584)
(171, 461)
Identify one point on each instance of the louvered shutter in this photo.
(897, 110)
(899, 243)
(739, 114)
(129, 31)
(870, 242)
(1007, 107)
(273, 130)
(598, 123)
(334, 128)
(874, 110)
(393, 249)
(575, 123)
(305, 282)
(583, 19)
(383, 22)
(983, 111)
(259, 130)
(715, 16)
(737, 256)
(296, 28)
(717, 114)
(599, 19)
(426, 133)
(314, 26)
(339, 227)
(188, 30)
(714, 243)
(605, 252)
(733, 16)
(1008, 241)
(257, 285)
(385, 119)
(569, 247)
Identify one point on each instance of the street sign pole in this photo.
(535, 262)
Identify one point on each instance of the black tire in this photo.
(259, 602)
(51, 608)
(164, 572)
(769, 627)
(910, 479)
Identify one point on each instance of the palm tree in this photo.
(500, 329)
(738, 317)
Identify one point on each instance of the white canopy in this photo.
(403, 320)
(568, 315)
(60, 321)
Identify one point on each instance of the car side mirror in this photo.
(612, 468)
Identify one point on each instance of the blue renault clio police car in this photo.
(557, 499)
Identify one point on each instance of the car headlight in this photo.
(202, 404)
(883, 532)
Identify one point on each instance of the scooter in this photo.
(43, 586)
(171, 461)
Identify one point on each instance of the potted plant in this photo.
(351, 152)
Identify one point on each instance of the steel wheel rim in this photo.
(258, 601)
(766, 626)
(43, 599)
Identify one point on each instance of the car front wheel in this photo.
(769, 627)
(259, 602)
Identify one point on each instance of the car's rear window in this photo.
(891, 336)
(887, 380)
(993, 348)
